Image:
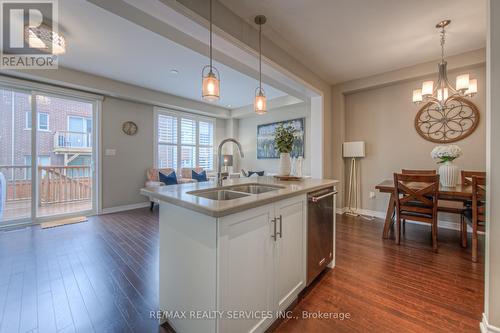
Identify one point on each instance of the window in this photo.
(43, 121)
(184, 141)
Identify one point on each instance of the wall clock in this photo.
(456, 121)
(129, 128)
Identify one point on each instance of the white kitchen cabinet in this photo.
(262, 262)
(246, 270)
(290, 258)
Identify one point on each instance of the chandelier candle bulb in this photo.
(427, 88)
(417, 95)
(463, 82)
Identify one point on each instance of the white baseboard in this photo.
(125, 207)
(340, 211)
(381, 215)
(486, 327)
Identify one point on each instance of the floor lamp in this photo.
(353, 150)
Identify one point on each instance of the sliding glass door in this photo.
(46, 156)
(16, 188)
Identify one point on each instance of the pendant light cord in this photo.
(260, 58)
(211, 36)
(443, 39)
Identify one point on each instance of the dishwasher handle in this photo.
(316, 199)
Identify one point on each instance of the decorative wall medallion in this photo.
(129, 128)
(456, 121)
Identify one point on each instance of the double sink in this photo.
(235, 191)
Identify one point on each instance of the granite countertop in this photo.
(178, 194)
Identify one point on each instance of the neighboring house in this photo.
(64, 130)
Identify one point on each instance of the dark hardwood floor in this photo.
(390, 288)
(102, 276)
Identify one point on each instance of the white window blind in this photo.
(167, 141)
(206, 143)
(184, 141)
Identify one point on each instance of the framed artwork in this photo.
(265, 139)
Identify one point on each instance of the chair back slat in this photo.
(466, 176)
(416, 193)
(478, 197)
(418, 172)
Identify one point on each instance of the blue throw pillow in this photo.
(258, 173)
(200, 177)
(170, 179)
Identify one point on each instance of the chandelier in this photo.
(41, 36)
(440, 93)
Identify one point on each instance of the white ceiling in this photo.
(342, 40)
(101, 43)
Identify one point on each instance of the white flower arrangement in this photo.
(446, 153)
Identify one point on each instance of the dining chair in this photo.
(466, 176)
(416, 199)
(476, 214)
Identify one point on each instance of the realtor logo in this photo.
(29, 35)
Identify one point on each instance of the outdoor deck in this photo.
(61, 190)
(22, 209)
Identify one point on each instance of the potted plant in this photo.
(283, 138)
(448, 171)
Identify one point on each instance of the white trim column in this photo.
(491, 317)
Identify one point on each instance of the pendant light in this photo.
(210, 90)
(260, 94)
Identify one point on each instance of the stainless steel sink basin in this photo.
(219, 194)
(254, 188)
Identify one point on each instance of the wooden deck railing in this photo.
(56, 184)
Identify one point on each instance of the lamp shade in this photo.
(353, 149)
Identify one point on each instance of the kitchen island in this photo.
(233, 257)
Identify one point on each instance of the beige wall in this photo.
(492, 261)
(384, 118)
(123, 175)
(248, 137)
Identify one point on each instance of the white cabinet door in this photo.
(290, 250)
(246, 256)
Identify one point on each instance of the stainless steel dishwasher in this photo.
(320, 231)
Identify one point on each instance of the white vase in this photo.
(448, 174)
(285, 164)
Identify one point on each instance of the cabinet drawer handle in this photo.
(281, 226)
(274, 236)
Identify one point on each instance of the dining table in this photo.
(458, 193)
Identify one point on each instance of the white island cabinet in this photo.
(232, 265)
(262, 269)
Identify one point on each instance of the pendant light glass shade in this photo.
(210, 84)
(260, 105)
